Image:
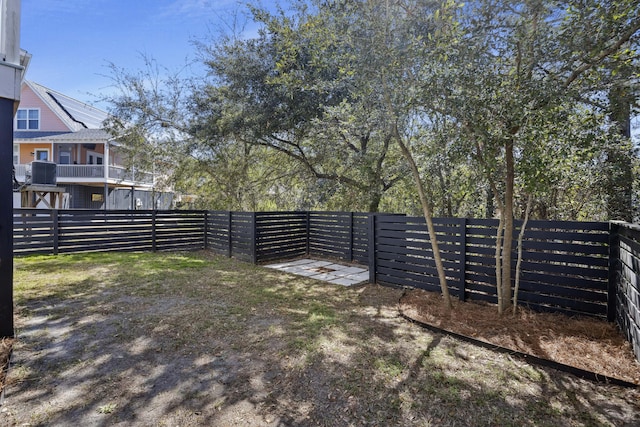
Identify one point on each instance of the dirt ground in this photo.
(200, 340)
(5, 351)
(585, 343)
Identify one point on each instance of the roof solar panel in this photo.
(89, 116)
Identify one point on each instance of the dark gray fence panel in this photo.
(69, 231)
(564, 267)
(404, 255)
(34, 231)
(99, 231)
(627, 276)
(330, 235)
(179, 230)
(242, 235)
(280, 235)
(360, 251)
(219, 232)
(480, 259)
(340, 235)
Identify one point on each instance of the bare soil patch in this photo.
(582, 342)
(196, 339)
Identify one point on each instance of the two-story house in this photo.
(90, 165)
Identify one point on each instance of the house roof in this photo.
(83, 135)
(31, 134)
(75, 114)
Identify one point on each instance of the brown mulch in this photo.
(585, 343)
(5, 351)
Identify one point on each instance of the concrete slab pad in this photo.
(327, 277)
(317, 264)
(339, 274)
(349, 270)
(292, 263)
(361, 277)
(288, 264)
(345, 281)
(306, 273)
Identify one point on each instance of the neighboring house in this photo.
(53, 127)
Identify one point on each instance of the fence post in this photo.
(229, 239)
(614, 265)
(350, 250)
(254, 238)
(371, 240)
(6, 203)
(308, 218)
(56, 231)
(154, 246)
(206, 230)
(463, 259)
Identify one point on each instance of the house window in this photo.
(64, 158)
(16, 154)
(94, 158)
(28, 119)
(41, 154)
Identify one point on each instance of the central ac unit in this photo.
(43, 173)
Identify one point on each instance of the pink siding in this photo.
(48, 120)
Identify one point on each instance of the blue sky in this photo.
(72, 41)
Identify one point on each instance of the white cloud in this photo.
(197, 8)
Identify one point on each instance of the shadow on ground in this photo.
(225, 343)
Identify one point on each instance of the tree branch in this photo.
(625, 37)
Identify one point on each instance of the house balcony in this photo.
(93, 174)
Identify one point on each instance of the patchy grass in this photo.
(197, 339)
(109, 408)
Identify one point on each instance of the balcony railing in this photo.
(80, 171)
(93, 171)
(123, 174)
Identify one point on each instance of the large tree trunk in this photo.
(426, 209)
(374, 202)
(620, 176)
(507, 243)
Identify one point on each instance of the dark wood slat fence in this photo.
(340, 235)
(566, 266)
(74, 231)
(625, 280)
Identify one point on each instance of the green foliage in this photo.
(302, 116)
(289, 90)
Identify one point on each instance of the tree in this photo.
(152, 119)
(515, 74)
(361, 94)
(382, 60)
(601, 39)
(278, 92)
